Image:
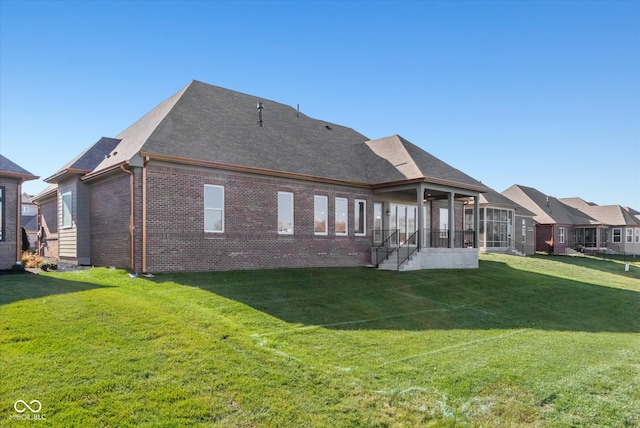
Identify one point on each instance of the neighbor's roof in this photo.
(547, 209)
(214, 126)
(613, 215)
(493, 198)
(10, 169)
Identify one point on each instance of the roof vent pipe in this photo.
(260, 114)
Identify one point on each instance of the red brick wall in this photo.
(109, 222)
(176, 240)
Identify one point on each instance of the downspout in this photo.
(131, 225)
(19, 223)
(144, 215)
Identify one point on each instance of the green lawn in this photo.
(539, 341)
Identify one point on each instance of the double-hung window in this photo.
(213, 208)
(320, 215)
(67, 210)
(617, 234)
(637, 234)
(342, 214)
(629, 234)
(360, 217)
(285, 213)
(561, 233)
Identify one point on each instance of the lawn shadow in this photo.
(495, 296)
(24, 286)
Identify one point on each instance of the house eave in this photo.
(65, 172)
(23, 177)
(460, 187)
(248, 169)
(94, 174)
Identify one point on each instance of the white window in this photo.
(561, 233)
(360, 217)
(25, 210)
(342, 213)
(67, 201)
(617, 234)
(213, 208)
(320, 215)
(637, 235)
(629, 234)
(524, 231)
(377, 222)
(285, 213)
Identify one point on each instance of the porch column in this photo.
(452, 220)
(420, 215)
(476, 221)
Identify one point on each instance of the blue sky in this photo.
(542, 94)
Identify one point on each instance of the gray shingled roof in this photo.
(210, 124)
(494, 198)
(547, 209)
(88, 160)
(10, 169)
(613, 215)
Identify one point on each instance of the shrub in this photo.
(31, 260)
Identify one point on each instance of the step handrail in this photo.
(413, 238)
(387, 247)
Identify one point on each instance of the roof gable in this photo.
(547, 209)
(88, 160)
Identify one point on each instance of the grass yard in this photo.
(539, 341)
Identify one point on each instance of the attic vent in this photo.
(328, 127)
(260, 121)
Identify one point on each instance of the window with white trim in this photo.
(67, 210)
(377, 222)
(444, 223)
(1, 213)
(617, 234)
(285, 213)
(561, 234)
(213, 208)
(524, 231)
(320, 215)
(342, 216)
(360, 217)
(629, 234)
(637, 235)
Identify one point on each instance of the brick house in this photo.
(570, 224)
(213, 179)
(11, 178)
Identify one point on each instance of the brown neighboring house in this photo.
(11, 178)
(213, 179)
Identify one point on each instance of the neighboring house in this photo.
(213, 179)
(571, 224)
(617, 228)
(30, 220)
(505, 226)
(11, 178)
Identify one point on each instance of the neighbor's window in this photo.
(320, 215)
(638, 235)
(360, 217)
(617, 234)
(342, 212)
(629, 234)
(213, 208)
(67, 201)
(25, 210)
(524, 231)
(561, 233)
(1, 213)
(285, 213)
